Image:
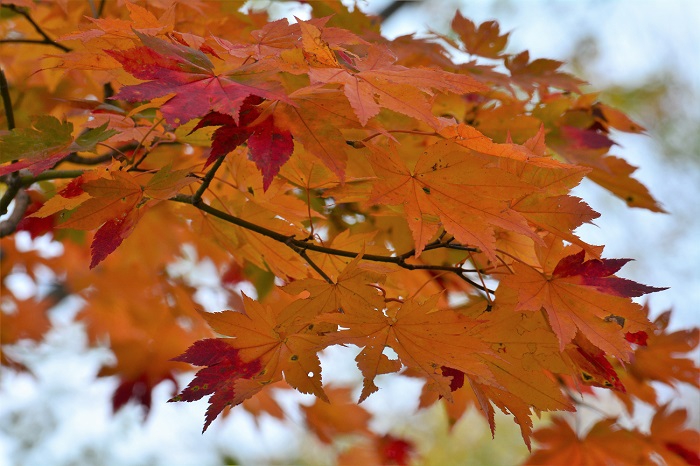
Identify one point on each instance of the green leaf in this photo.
(87, 141)
(45, 138)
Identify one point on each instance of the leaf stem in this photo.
(135, 166)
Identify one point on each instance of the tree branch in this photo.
(302, 245)
(206, 181)
(47, 40)
(28, 180)
(21, 198)
(7, 100)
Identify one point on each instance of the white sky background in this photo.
(54, 419)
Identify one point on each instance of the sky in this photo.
(51, 419)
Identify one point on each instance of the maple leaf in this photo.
(268, 146)
(540, 72)
(594, 367)
(378, 82)
(660, 359)
(224, 370)
(340, 415)
(453, 187)
(424, 338)
(605, 443)
(173, 68)
(259, 335)
(315, 121)
(167, 182)
(48, 141)
(525, 353)
(485, 40)
(581, 295)
(352, 291)
(679, 445)
(549, 208)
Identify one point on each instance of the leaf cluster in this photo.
(372, 193)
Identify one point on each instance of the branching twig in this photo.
(47, 40)
(303, 245)
(319, 270)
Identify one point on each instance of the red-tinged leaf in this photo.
(580, 295)
(594, 367)
(139, 390)
(585, 139)
(36, 226)
(668, 428)
(540, 72)
(224, 369)
(598, 273)
(457, 380)
(188, 73)
(638, 338)
(45, 144)
(381, 83)
(37, 148)
(73, 189)
(110, 198)
(394, 450)
(270, 148)
(111, 234)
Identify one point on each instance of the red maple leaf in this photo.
(224, 369)
(268, 146)
(189, 74)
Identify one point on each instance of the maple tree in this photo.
(372, 192)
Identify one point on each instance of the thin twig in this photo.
(135, 166)
(207, 180)
(305, 245)
(319, 270)
(47, 40)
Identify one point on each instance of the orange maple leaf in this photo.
(453, 187)
(258, 335)
(424, 338)
(581, 295)
(605, 444)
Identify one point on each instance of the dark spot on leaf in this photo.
(294, 357)
(426, 190)
(617, 319)
(586, 377)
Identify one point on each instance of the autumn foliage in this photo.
(373, 193)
